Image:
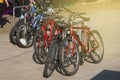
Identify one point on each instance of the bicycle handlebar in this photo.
(76, 14)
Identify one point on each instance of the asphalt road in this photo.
(17, 63)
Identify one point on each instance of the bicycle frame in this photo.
(85, 49)
(48, 37)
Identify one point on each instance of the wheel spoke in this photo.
(96, 40)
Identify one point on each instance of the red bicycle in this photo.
(43, 37)
(88, 43)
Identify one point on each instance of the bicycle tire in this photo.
(50, 59)
(59, 69)
(35, 59)
(95, 54)
(12, 34)
(39, 47)
(68, 57)
(27, 37)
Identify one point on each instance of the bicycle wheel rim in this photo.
(69, 61)
(96, 55)
(50, 60)
(24, 36)
(39, 47)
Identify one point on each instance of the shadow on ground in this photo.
(107, 75)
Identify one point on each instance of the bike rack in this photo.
(14, 12)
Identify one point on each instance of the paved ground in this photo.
(17, 63)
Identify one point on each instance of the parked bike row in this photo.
(60, 42)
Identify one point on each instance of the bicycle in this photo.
(89, 42)
(27, 30)
(13, 32)
(43, 37)
(52, 58)
(54, 51)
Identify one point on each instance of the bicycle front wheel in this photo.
(97, 54)
(50, 59)
(24, 36)
(69, 56)
(40, 48)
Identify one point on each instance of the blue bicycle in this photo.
(13, 32)
(27, 30)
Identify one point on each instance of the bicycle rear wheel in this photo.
(97, 54)
(13, 32)
(69, 56)
(12, 35)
